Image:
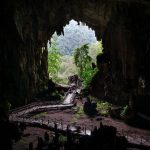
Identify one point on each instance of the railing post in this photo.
(141, 140)
(123, 132)
(85, 130)
(62, 125)
(127, 135)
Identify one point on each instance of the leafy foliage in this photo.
(125, 110)
(95, 49)
(54, 58)
(83, 61)
(77, 38)
(79, 112)
(67, 68)
(103, 108)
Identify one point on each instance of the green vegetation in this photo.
(95, 49)
(54, 59)
(103, 108)
(75, 35)
(84, 64)
(125, 110)
(80, 63)
(79, 112)
(22, 141)
(68, 54)
(62, 138)
(67, 68)
(57, 96)
(127, 114)
(82, 59)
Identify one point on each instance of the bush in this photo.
(103, 108)
(80, 112)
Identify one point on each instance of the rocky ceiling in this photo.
(26, 25)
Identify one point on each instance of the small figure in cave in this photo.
(68, 127)
(55, 126)
(94, 132)
(78, 129)
(69, 138)
(56, 140)
(85, 130)
(46, 137)
(61, 124)
(101, 125)
(87, 106)
(40, 143)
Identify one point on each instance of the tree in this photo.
(95, 49)
(82, 59)
(84, 64)
(75, 35)
(54, 58)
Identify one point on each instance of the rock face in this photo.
(126, 41)
(26, 26)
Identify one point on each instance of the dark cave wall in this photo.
(27, 25)
(23, 60)
(125, 41)
(128, 35)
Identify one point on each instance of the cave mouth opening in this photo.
(72, 51)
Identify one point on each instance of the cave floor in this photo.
(69, 116)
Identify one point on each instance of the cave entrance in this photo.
(73, 52)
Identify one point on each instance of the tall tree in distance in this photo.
(84, 64)
(75, 35)
(82, 59)
(54, 57)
